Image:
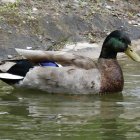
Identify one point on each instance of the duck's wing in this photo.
(10, 76)
(4, 68)
(6, 65)
(63, 58)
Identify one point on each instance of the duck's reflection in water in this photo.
(110, 112)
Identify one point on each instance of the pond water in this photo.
(35, 115)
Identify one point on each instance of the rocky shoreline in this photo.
(50, 25)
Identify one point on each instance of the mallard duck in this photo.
(77, 74)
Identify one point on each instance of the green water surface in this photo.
(35, 115)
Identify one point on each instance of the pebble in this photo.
(108, 7)
(9, 56)
(35, 10)
(133, 22)
(28, 48)
(138, 14)
(24, 21)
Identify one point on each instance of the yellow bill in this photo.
(133, 55)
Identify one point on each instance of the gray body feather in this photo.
(63, 80)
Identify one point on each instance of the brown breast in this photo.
(111, 75)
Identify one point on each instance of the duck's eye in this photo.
(121, 39)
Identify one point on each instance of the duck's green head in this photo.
(117, 41)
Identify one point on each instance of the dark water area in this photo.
(35, 115)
